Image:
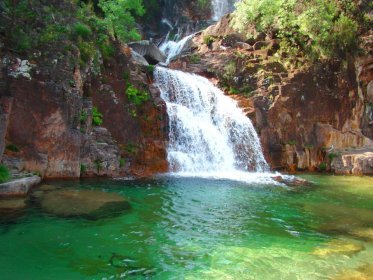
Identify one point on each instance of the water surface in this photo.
(190, 228)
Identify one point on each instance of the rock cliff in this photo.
(47, 111)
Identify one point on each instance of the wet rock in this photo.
(357, 162)
(138, 59)
(149, 51)
(338, 247)
(19, 187)
(291, 181)
(89, 204)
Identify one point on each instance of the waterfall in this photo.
(208, 132)
(172, 48)
(221, 7)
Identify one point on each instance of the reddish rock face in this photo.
(50, 122)
(299, 113)
(39, 125)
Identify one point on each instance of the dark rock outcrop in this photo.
(149, 51)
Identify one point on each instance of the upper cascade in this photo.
(208, 132)
(173, 49)
(221, 8)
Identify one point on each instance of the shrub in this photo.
(82, 30)
(321, 29)
(83, 117)
(208, 40)
(322, 167)
(83, 168)
(332, 156)
(4, 173)
(122, 161)
(87, 51)
(150, 68)
(12, 148)
(195, 58)
(97, 117)
(136, 96)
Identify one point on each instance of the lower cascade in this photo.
(209, 133)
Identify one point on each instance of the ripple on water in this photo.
(193, 228)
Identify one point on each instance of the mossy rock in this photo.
(89, 204)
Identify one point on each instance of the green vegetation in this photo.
(119, 18)
(12, 148)
(83, 168)
(136, 96)
(208, 40)
(98, 165)
(203, 4)
(195, 58)
(4, 173)
(322, 167)
(97, 117)
(92, 26)
(150, 69)
(321, 29)
(83, 117)
(122, 162)
(332, 156)
(130, 149)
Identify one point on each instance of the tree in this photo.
(119, 17)
(319, 28)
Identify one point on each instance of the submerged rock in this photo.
(89, 204)
(338, 247)
(10, 205)
(291, 181)
(11, 209)
(364, 272)
(364, 233)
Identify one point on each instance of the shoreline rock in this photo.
(18, 187)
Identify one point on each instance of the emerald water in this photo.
(190, 228)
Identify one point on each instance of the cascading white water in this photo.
(221, 7)
(172, 48)
(208, 132)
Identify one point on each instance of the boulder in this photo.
(90, 204)
(356, 162)
(243, 46)
(149, 51)
(138, 59)
(291, 181)
(19, 187)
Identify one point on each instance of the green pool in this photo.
(190, 228)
